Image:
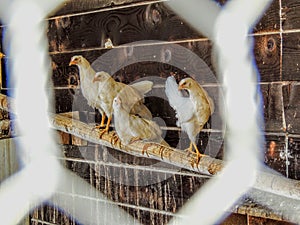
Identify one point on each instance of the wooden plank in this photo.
(235, 219)
(65, 76)
(267, 56)
(290, 14)
(67, 101)
(293, 157)
(270, 21)
(291, 57)
(252, 220)
(9, 164)
(292, 107)
(155, 151)
(80, 6)
(8, 159)
(146, 22)
(275, 146)
(273, 107)
(66, 139)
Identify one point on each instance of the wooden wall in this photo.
(83, 27)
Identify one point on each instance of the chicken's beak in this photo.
(180, 87)
(2, 55)
(95, 79)
(72, 63)
(118, 100)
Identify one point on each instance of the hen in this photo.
(131, 128)
(88, 88)
(192, 112)
(131, 95)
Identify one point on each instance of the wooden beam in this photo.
(180, 158)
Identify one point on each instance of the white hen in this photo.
(130, 127)
(132, 95)
(192, 112)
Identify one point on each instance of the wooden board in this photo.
(80, 6)
(139, 23)
(292, 106)
(291, 57)
(125, 25)
(267, 55)
(275, 145)
(273, 107)
(290, 14)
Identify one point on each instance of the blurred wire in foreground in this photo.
(30, 69)
(243, 117)
(41, 175)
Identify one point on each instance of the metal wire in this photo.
(29, 62)
(228, 28)
(243, 113)
(41, 174)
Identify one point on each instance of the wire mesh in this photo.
(41, 173)
(234, 57)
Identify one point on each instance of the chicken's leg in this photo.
(115, 139)
(199, 155)
(190, 148)
(102, 120)
(105, 130)
(197, 152)
(103, 117)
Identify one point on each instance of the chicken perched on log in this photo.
(131, 128)
(100, 94)
(131, 95)
(88, 88)
(192, 112)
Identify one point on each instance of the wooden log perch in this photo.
(265, 181)
(182, 159)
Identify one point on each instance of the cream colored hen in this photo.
(131, 128)
(88, 88)
(131, 95)
(192, 112)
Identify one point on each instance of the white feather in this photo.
(183, 106)
(143, 87)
